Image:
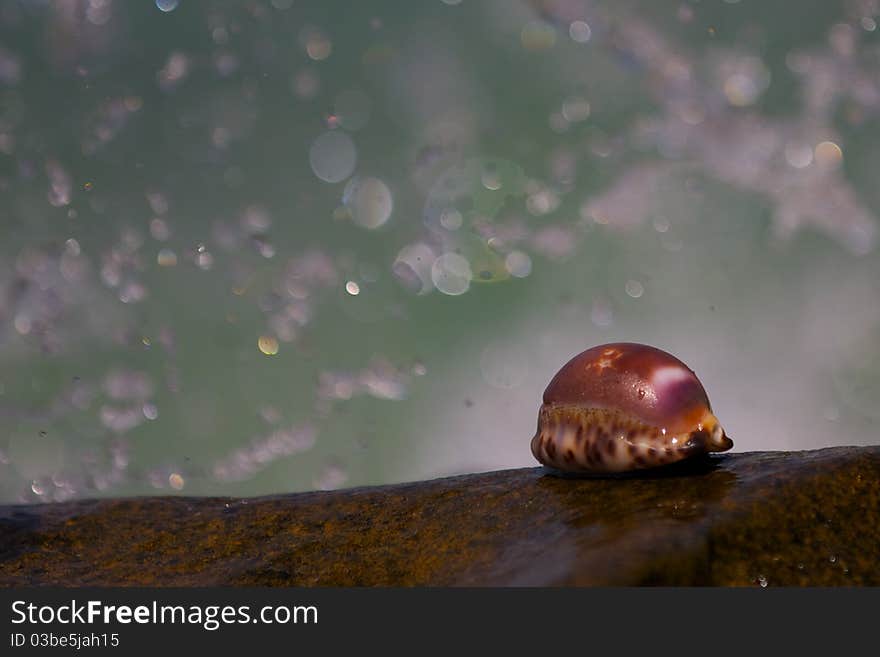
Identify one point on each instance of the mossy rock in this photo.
(762, 518)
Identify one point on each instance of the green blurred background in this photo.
(268, 246)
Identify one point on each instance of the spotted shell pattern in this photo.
(621, 407)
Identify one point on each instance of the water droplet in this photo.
(333, 156)
(22, 324)
(576, 109)
(166, 258)
(661, 224)
(167, 5)
(451, 274)
(317, 45)
(798, 155)
(634, 289)
(580, 32)
(491, 178)
(71, 247)
(828, 155)
(741, 89)
(542, 201)
(369, 201)
(412, 267)
(518, 264)
(538, 35)
(451, 219)
(268, 345)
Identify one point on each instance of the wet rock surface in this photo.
(756, 519)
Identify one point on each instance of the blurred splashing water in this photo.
(274, 246)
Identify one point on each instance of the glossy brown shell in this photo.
(625, 406)
(629, 377)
